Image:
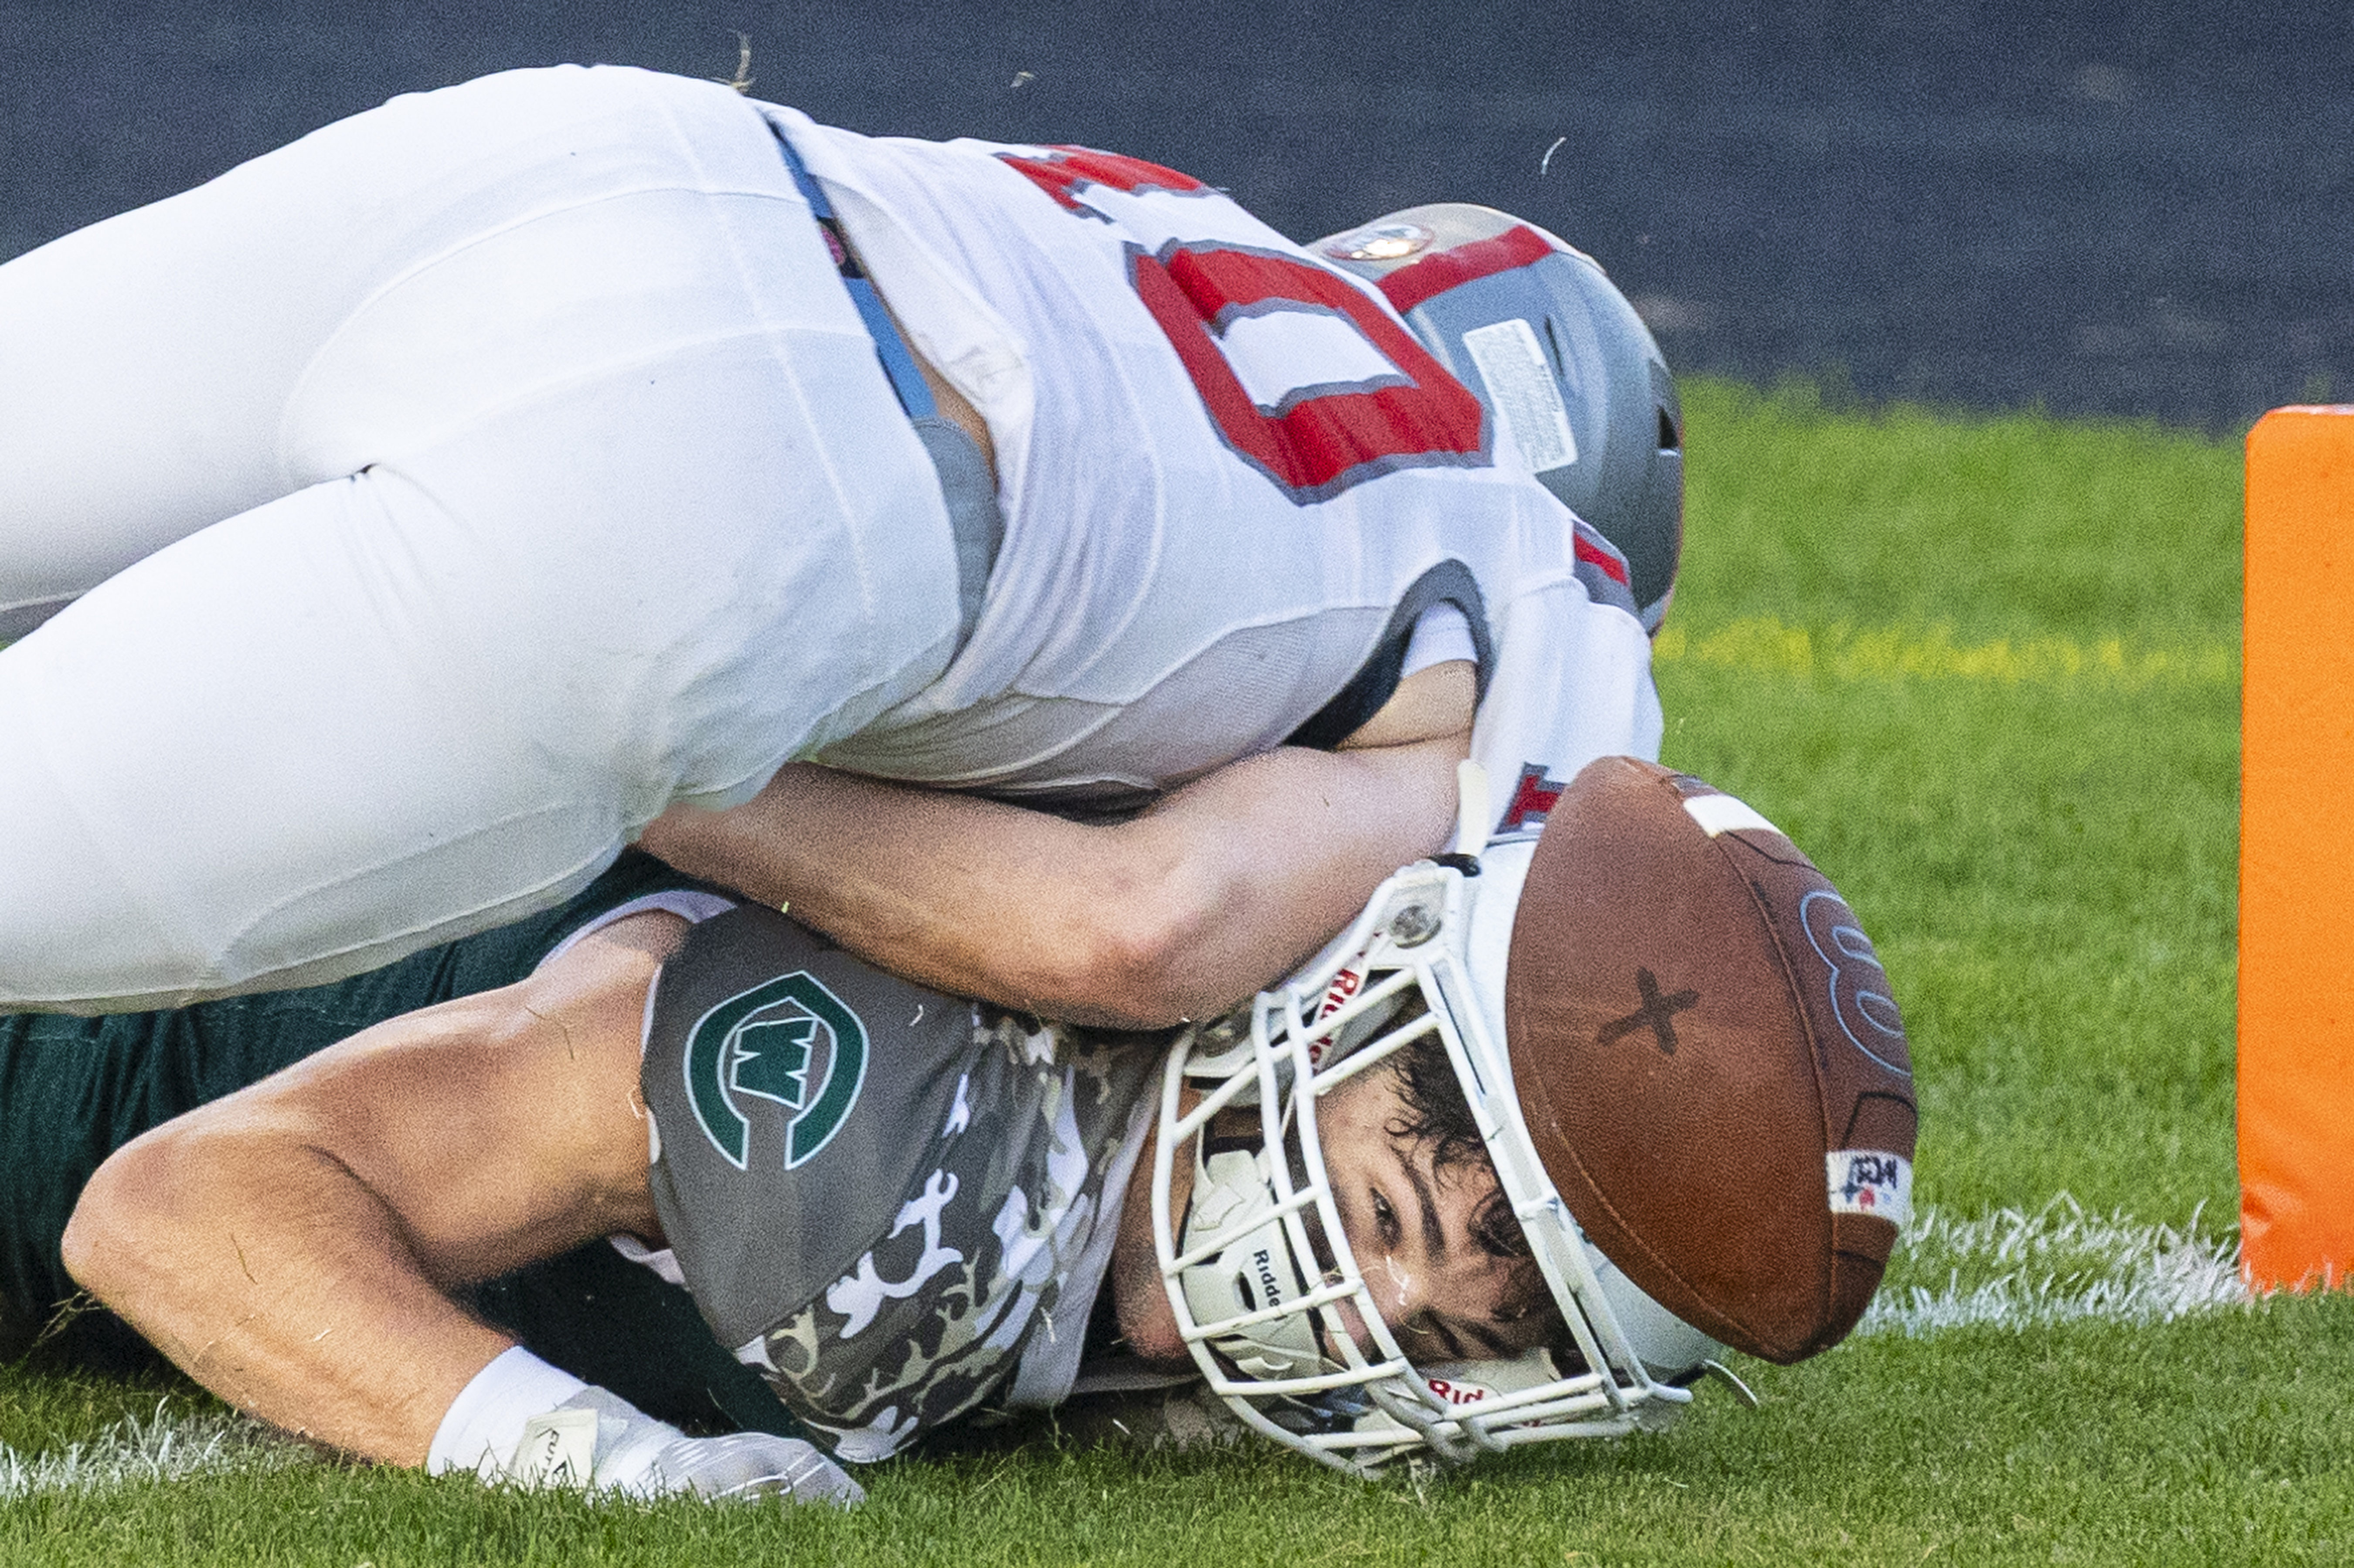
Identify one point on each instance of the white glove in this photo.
(600, 1442)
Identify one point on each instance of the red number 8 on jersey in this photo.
(1323, 433)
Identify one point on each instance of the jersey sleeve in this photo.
(796, 1093)
(896, 1206)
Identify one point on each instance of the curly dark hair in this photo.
(1437, 1113)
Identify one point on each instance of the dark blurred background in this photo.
(2134, 210)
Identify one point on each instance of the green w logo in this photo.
(789, 1041)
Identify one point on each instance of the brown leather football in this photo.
(1709, 1059)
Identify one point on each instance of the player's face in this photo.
(1437, 1244)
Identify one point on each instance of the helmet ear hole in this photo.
(1670, 439)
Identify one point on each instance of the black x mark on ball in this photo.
(1657, 1011)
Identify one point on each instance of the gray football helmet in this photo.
(1556, 355)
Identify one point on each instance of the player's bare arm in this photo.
(1213, 893)
(292, 1247)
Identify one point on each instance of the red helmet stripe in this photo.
(1442, 269)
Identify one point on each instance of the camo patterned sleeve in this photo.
(896, 1205)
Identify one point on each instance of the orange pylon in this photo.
(2296, 852)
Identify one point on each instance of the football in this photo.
(1710, 1059)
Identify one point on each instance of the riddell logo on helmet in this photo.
(1532, 798)
(1261, 1261)
(1345, 984)
(1457, 1393)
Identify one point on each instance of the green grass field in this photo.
(1986, 670)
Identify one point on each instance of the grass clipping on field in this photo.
(2058, 1264)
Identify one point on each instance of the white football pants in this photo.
(447, 494)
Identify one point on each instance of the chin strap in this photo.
(1724, 1375)
(1471, 809)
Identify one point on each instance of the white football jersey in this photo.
(1231, 480)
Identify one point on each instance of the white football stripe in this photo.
(1279, 353)
(2059, 1265)
(1721, 813)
